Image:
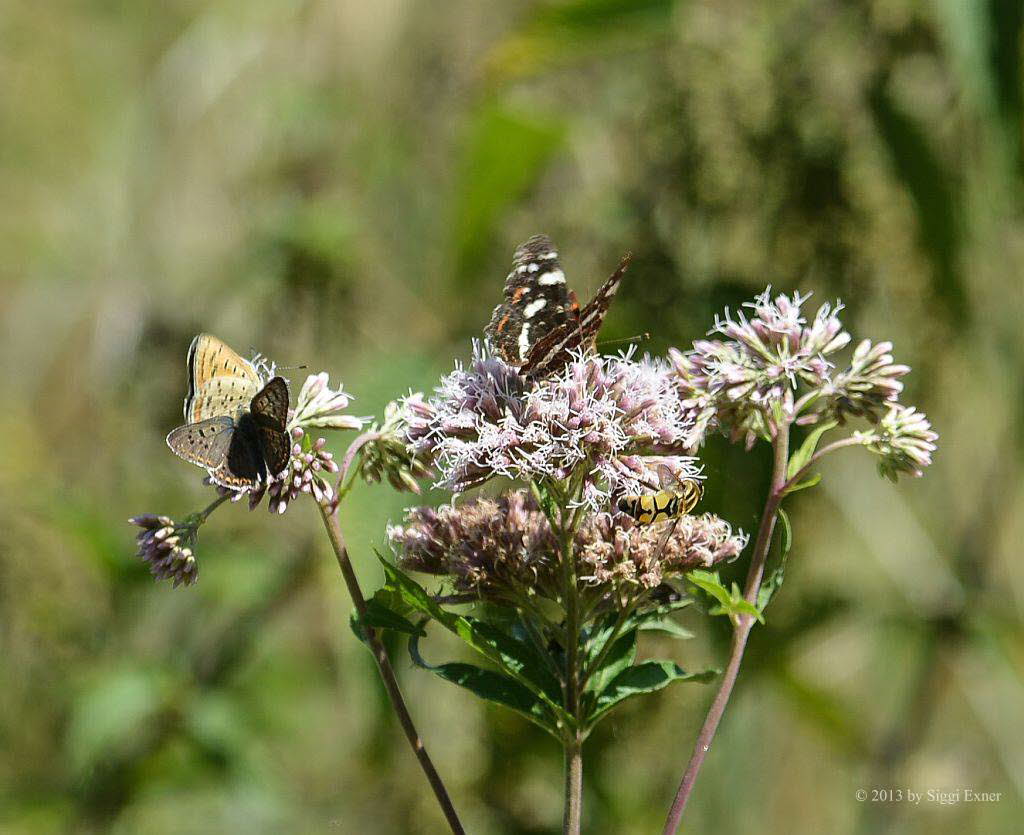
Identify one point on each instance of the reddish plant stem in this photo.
(387, 673)
(741, 631)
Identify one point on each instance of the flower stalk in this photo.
(329, 515)
(573, 743)
(741, 631)
(387, 672)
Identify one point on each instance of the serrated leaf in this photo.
(620, 655)
(731, 603)
(491, 686)
(800, 458)
(708, 581)
(737, 607)
(516, 658)
(643, 678)
(597, 635)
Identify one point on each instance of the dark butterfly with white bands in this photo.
(539, 324)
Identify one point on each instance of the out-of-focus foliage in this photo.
(342, 184)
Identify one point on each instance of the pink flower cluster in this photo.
(614, 416)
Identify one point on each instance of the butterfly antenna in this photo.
(638, 338)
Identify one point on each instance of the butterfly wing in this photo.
(243, 465)
(553, 351)
(270, 405)
(220, 382)
(259, 445)
(536, 301)
(270, 412)
(205, 443)
(275, 447)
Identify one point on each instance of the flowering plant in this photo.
(561, 583)
(580, 537)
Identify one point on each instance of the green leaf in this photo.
(787, 532)
(666, 625)
(708, 581)
(800, 458)
(660, 620)
(643, 678)
(778, 574)
(545, 501)
(810, 481)
(514, 657)
(731, 603)
(491, 686)
(379, 615)
(620, 655)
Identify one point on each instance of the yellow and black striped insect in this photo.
(677, 497)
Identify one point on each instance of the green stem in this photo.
(821, 453)
(212, 506)
(573, 786)
(568, 524)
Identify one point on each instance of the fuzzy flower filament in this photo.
(484, 421)
(774, 368)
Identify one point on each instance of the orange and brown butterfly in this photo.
(677, 497)
(234, 424)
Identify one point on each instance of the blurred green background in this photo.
(342, 184)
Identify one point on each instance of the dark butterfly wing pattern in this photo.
(270, 414)
(239, 453)
(270, 405)
(553, 351)
(536, 301)
(204, 443)
(243, 466)
(275, 447)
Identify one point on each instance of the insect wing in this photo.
(553, 351)
(535, 303)
(276, 449)
(220, 382)
(243, 465)
(205, 443)
(665, 537)
(689, 490)
(270, 405)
